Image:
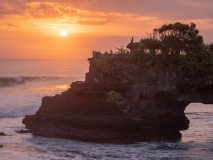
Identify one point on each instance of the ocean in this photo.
(23, 83)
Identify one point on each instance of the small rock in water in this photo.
(1, 146)
(23, 131)
(2, 134)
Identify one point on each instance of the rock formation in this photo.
(22, 131)
(2, 134)
(148, 107)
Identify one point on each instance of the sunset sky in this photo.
(30, 29)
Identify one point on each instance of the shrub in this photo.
(113, 96)
(105, 66)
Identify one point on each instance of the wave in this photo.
(20, 111)
(8, 81)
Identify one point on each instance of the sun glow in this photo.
(63, 33)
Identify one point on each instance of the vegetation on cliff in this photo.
(106, 66)
(174, 48)
(113, 96)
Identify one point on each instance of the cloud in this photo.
(135, 14)
(91, 21)
(166, 9)
(178, 9)
(6, 9)
(42, 10)
(11, 25)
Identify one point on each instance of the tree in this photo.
(178, 37)
(121, 50)
(211, 47)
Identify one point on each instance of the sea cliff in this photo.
(147, 106)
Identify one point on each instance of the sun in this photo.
(63, 33)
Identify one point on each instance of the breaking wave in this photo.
(18, 112)
(8, 81)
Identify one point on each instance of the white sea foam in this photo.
(17, 103)
(11, 81)
(21, 111)
(5, 80)
(19, 79)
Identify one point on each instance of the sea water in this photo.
(23, 83)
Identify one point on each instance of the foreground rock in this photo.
(2, 134)
(23, 131)
(148, 107)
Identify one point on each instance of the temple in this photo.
(131, 45)
(98, 55)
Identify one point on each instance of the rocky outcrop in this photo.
(149, 107)
(23, 131)
(2, 134)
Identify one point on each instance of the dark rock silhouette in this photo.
(2, 134)
(150, 107)
(23, 131)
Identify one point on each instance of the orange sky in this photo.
(30, 29)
